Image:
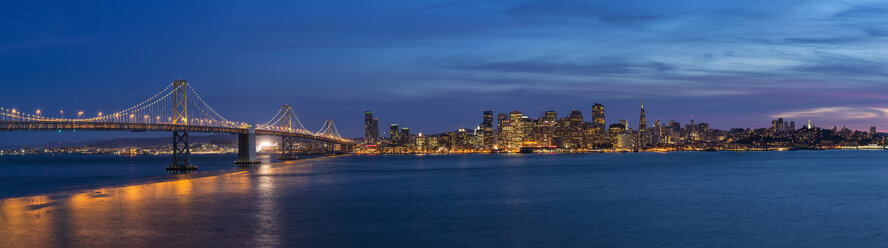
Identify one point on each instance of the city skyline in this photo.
(712, 60)
(518, 132)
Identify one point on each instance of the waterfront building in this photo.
(404, 136)
(543, 132)
(393, 134)
(599, 132)
(371, 128)
(485, 132)
(617, 132)
(502, 128)
(515, 136)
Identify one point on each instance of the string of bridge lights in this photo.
(215, 117)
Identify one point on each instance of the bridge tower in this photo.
(287, 150)
(181, 148)
(329, 129)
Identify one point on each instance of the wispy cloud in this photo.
(838, 113)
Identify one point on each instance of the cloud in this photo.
(837, 113)
(603, 66)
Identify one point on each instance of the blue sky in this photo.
(434, 65)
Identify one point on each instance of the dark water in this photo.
(695, 199)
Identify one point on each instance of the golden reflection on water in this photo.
(182, 212)
(102, 216)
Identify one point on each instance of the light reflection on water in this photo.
(790, 199)
(136, 215)
(267, 231)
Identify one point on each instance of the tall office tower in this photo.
(642, 128)
(487, 122)
(779, 125)
(625, 124)
(404, 136)
(502, 128)
(544, 129)
(576, 134)
(371, 128)
(598, 124)
(516, 134)
(872, 132)
(617, 134)
(393, 134)
(657, 134)
(792, 126)
(527, 131)
(485, 134)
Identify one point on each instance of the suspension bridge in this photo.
(180, 110)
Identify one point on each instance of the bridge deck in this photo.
(142, 127)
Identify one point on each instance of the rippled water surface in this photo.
(699, 199)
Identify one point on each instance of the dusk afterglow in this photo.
(435, 64)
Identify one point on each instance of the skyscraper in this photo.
(371, 128)
(486, 130)
(642, 128)
(544, 129)
(502, 129)
(404, 136)
(598, 125)
(487, 122)
(576, 129)
(516, 134)
(393, 134)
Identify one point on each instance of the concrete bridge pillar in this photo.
(246, 148)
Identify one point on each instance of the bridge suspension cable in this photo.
(173, 106)
(329, 129)
(285, 120)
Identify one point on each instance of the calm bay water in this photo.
(689, 199)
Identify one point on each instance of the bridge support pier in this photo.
(287, 150)
(246, 148)
(181, 152)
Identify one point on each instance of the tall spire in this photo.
(642, 128)
(642, 123)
